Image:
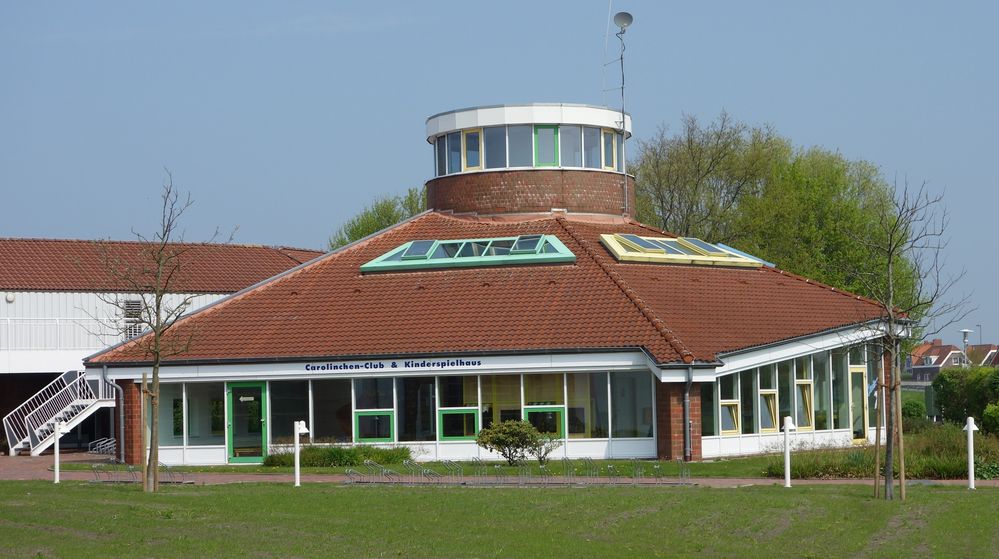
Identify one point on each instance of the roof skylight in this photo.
(461, 253)
(628, 247)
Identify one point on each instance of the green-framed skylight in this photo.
(627, 247)
(424, 254)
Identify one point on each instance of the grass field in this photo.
(39, 519)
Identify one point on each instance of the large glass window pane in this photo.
(768, 411)
(804, 404)
(823, 405)
(441, 146)
(709, 427)
(543, 390)
(500, 399)
(458, 425)
(570, 139)
(521, 139)
(768, 379)
(803, 368)
(785, 382)
(747, 400)
(727, 384)
(373, 393)
(608, 149)
(454, 152)
(857, 355)
(459, 392)
(620, 151)
(473, 149)
(874, 364)
(841, 391)
(546, 145)
(591, 147)
(374, 426)
(205, 414)
(547, 420)
(331, 411)
(587, 408)
(171, 422)
(631, 404)
(495, 140)
(416, 410)
(289, 403)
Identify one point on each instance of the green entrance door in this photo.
(247, 421)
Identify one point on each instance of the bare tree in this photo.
(691, 183)
(911, 282)
(150, 277)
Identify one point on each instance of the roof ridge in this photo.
(637, 223)
(643, 307)
(138, 242)
(832, 288)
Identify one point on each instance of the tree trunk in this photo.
(897, 373)
(144, 423)
(153, 469)
(890, 443)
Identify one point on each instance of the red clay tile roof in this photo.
(676, 313)
(74, 265)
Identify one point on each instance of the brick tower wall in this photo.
(531, 190)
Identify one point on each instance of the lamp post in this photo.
(300, 429)
(965, 333)
(970, 427)
(623, 20)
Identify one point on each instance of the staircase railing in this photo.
(13, 422)
(23, 423)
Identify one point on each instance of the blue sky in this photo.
(283, 119)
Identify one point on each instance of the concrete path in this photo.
(40, 468)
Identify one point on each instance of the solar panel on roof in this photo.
(418, 250)
(526, 244)
(640, 242)
(664, 246)
(706, 247)
(677, 246)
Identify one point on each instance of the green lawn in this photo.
(738, 467)
(39, 519)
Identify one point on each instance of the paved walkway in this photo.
(40, 468)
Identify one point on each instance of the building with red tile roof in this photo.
(55, 300)
(927, 359)
(526, 292)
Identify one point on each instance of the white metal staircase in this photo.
(71, 398)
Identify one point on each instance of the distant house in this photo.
(983, 355)
(55, 302)
(928, 358)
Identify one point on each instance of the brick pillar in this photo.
(133, 422)
(669, 420)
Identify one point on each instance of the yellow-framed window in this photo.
(803, 401)
(729, 417)
(768, 411)
(471, 149)
(608, 148)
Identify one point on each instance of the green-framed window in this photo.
(466, 253)
(374, 426)
(458, 424)
(547, 419)
(545, 145)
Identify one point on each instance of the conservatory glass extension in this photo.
(829, 396)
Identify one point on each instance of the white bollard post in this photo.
(788, 425)
(970, 427)
(57, 434)
(298, 474)
(300, 429)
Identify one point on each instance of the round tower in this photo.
(530, 158)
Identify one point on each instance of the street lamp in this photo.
(965, 332)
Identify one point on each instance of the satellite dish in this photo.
(623, 19)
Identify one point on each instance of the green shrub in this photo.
(990, 419)
(965, 392)
(511, 439)
(913, 409)
(339, 456)
(915, 425)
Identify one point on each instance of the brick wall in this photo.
(133, 422)
(533, 190)
(669, 420)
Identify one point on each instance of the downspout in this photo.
(121, 410)
(687, 452)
